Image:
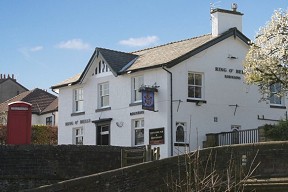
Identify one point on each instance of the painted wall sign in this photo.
(83, 121)
(156, 136)
(136, 113)
(231, 71)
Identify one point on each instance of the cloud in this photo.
(73, 44)
(140, 42)
(37, 48)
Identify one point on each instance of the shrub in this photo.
(278, 132)
(41, 134)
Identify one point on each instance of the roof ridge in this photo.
(116, 51)
(171, 43)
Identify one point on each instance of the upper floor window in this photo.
(195, 85)
(49, 120)
(78, 100)
(104, 94)
(276, 99)
(137, 82)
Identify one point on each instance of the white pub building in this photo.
(169, 96)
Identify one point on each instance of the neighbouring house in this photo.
(44, 107)
(9, 87)
(169, 96)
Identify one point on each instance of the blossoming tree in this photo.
(266, 61)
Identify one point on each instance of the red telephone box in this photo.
(19, 123)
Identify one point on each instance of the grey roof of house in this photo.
(42, 101)
(166, 55)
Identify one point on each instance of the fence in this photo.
(233, 137)
(135, 156)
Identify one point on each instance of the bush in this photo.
(278, 132)
(41, 134)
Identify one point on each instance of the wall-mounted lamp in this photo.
(199, 103)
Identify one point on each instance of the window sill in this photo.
(135, 104)
(77, 113)
(278, 106)
(181, 144)
(197, 101)
(103, 109)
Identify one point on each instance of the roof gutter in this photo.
(171, 108)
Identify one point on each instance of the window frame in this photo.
(201, 86)
(136, 96)
(78, 100)
(103, 95)
(77, 135)
(274, 97)
(49, 120)
(136, 128)
(184, 125)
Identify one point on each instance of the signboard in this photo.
(148, 100)
(156, 136)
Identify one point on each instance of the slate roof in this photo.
(116, 59)
(13, 80)
(42, 101)
(166, 55)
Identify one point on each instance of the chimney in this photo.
(4, 76)
(12, 76)
(1, 76)
(223, 20)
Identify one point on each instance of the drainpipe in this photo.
(171, 108)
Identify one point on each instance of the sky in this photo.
(45, 42)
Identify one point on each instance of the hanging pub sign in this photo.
(148, 100)
(148, 97)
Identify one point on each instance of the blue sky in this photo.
(45, 42)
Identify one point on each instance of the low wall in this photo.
(30, 166)
(154, 176)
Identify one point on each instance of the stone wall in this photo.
(155, 176)
(30, 166)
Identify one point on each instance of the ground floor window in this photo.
(138, 129)
(180, 132)
(78, 134)
(103, 134)
(235, 134)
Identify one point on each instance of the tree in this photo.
(266, 61)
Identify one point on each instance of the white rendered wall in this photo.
(119, 100)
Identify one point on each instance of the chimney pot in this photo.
(234, 7)
(4, 76)
(12, 76)
(1, 76)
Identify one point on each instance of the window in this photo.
(235, 134)
(78, 100)
(104, 94)
(103, 134)
(195, 85)
(138, 128)
(180, 132)
(49, 120)
(136, 84)
(274, 98)
(78, 134)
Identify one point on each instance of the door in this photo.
(103, 134)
